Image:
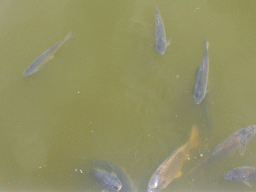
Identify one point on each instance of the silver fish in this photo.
(160, 38)
(241, 174)
(228, 146)
(45, 56)
(202, 76)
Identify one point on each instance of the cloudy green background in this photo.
(109, 95)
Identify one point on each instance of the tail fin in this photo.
(68, 36)
(156, 8)
(194, 140)
(206, 44)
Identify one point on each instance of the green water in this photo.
(109, 95)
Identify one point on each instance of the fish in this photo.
(37, 64)
(106, 179)
(202, 76)
(160, 38)
(241, 174)
(237, 140)
(127, 183)
(170, 169)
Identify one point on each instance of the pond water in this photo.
(108, 95)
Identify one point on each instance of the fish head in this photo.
(198, 96)
(111, 182)
(26, 73)
(246, 134)
(118, 187)
(114, 184)
(155, 184)
(160, 45)
(235, 174)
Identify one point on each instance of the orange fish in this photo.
(171, 167)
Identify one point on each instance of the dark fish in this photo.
(160, 38)
(106, 179)
(237, 140)
(127, 183)
(171, 167)
(45, 56)
(202, 76)
(241, 174)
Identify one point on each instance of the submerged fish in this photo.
(171, 167)
(160, 38)
(45, 56)
(202, 76)
(237, 140)
(106, 179)
(127, 183)
(241, 174)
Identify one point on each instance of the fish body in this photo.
(171, 167)
(160, 38)
(127, 183)
(241, 174)
(37, 64)
(202, 76)
(106, 179)
(237, 140)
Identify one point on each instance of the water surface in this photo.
(109, 95)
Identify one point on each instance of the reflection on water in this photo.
(109, 95)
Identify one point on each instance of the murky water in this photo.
(109, 95)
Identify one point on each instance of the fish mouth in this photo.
(119, 188)
(151, 189)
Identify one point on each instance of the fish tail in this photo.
(206, 43)
(156, 8)
(194, 140)
(69, 36)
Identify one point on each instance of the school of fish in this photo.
(113, 178)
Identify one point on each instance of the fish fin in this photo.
(247, 183)
(187, 156)
(114, 174)
(68, 36)
(104, 190)
(179, 174)
(194, 140)
(52, 57)
(242, 150)
(156, 8)
(206, 43)
(152, 45)
(168, 43)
